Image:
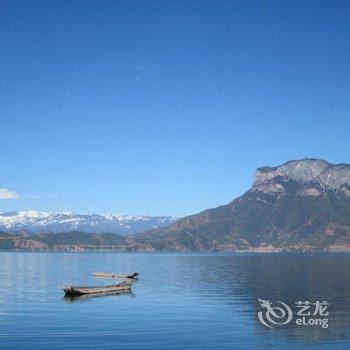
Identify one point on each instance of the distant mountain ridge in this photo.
(73, 241)
(36, 222)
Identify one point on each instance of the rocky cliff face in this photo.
(301, 205)
(328, 176)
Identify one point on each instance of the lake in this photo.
(192, 301)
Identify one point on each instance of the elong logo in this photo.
(279, 313)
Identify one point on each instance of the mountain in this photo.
(36, 222)
(301, 205)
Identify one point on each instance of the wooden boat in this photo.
(116, 288)
(130, 275)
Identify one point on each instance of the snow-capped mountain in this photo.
(35, 222)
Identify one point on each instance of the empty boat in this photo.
(130, 275)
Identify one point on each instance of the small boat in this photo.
(115, 288)
(130, 275)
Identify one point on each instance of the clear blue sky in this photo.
(165, 107)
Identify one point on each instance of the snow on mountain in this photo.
(35, 222)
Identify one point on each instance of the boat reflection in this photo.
(85, 297)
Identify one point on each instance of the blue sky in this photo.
(165, 107)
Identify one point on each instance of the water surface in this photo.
(194, 301)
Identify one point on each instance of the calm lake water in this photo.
(192, 301)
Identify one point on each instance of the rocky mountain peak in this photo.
(327, 175)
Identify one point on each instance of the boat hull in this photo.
(74, 291)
